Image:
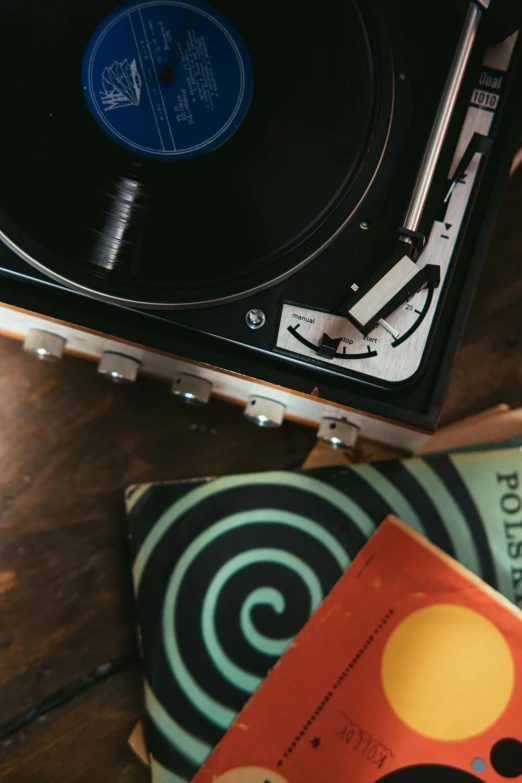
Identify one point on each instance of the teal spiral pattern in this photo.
(228, 571)
(255, 576)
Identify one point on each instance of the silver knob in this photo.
(192, 388)
(265, 412)
(255, 319)
(338, 433)
(118, 368)
(44, 345)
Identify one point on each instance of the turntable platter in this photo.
(92, 210)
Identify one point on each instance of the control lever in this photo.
(478, 145)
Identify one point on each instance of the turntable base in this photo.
(304, 242)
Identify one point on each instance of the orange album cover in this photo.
(409, 672)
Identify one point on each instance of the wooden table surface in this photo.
(70, 686)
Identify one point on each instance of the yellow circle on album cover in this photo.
(447, 672)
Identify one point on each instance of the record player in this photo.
(286, 207)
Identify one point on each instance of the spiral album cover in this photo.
(228, 571)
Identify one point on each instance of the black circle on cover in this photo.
(429, 773)
(214, 227)
(506, 757)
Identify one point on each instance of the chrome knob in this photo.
(192, 388)
(255, 319)
(118, 368)
(44, 345)
(264, 412)
(338, 433)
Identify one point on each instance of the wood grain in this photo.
(71, 442)
(84, 741)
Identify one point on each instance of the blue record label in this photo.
(167, 79)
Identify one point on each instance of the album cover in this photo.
(228, 571)
(409, 671)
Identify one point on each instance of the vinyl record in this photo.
(94, 199)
